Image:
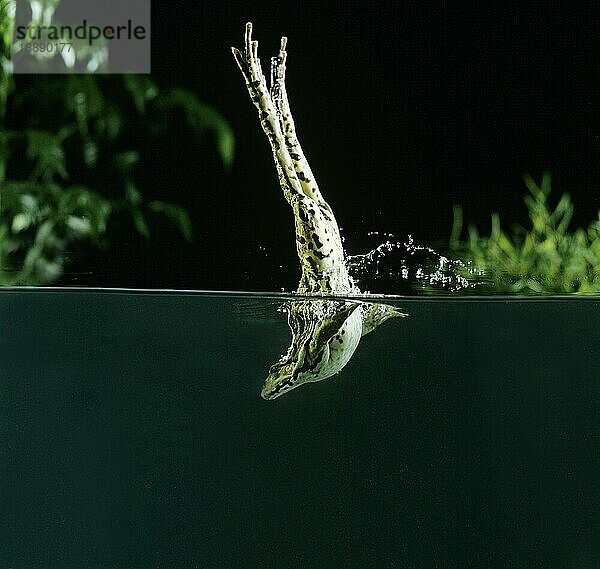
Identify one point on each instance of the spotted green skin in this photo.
(325, 333)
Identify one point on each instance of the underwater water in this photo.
(133, 435)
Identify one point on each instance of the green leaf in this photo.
(109, 122)
(46, 150)
(177, 214)
(7, 22)
(83, 98)
(140, 223)
(202, 117)
(78, 224)
(132, 194)
(142, 89)
(20, 222)
(124, 161)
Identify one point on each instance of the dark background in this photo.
(403, 110)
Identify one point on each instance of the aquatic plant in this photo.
(543, 258)
(69, 147)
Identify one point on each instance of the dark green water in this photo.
(132, 435)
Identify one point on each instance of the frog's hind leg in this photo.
(249, 64)
(318, 242)
(288, 127)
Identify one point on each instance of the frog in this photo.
(325, 332)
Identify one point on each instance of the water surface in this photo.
(133, 435)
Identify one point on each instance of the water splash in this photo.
(400, 267)
(392, 266)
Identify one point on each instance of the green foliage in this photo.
(39, 220)
(69, 160)
(545, 258)
(202, 117)
(76, 54)
(7, 16)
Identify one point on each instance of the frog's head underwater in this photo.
(325, 335)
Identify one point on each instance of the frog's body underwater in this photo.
(325, 333)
